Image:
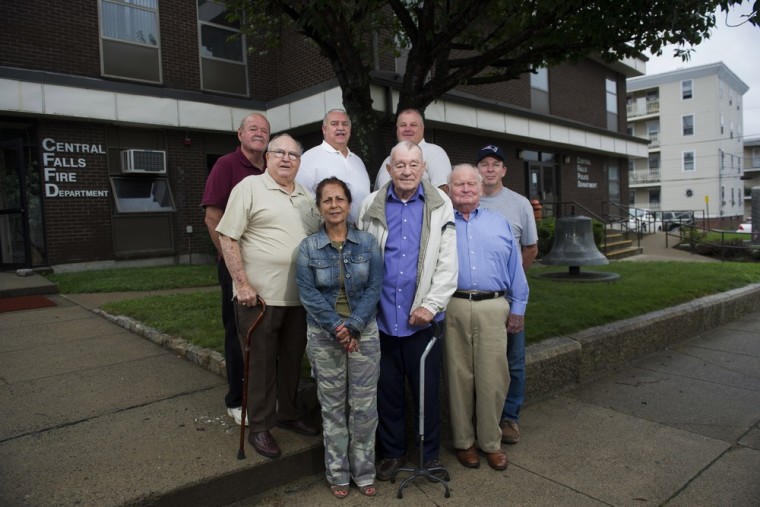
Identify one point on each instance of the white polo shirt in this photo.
(438, 166)
(324, 161)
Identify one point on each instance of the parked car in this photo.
(671, 220)
(644, 220)
(638, 219)
(745, 227)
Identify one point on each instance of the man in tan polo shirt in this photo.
(265, 220)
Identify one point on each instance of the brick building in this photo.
(113, 112)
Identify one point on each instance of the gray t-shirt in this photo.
(518, 212)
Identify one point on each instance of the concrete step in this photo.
(622, 253)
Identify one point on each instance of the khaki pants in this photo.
(477, 373)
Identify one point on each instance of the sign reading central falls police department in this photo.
(61, 161)
(581, 169)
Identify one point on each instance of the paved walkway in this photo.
(95, 415)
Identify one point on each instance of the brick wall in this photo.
(577, 92)
(77, 228)
(51, 36)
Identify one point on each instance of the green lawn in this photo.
(555, 308)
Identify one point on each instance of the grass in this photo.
(136, 279)
(555, 308)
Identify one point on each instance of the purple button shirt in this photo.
(402, 249)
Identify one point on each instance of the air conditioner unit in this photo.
(143, 161)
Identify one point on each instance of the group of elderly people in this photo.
(356, 286)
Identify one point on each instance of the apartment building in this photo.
(751, 172)
(693, 121)
(112, 113)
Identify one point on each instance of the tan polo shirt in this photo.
(269, 225)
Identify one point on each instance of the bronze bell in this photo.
(574, 244)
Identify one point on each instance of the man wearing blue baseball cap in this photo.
(491, 163)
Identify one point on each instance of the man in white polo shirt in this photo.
(333, 158)
(411, 127)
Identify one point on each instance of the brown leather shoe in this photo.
(497, 460)
(510, 432)
(264, 443)
(388, 467)
(469, 457)
(299, 426)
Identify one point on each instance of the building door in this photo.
(15, 251)
(543, 184)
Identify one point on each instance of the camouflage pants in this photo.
(347, 392)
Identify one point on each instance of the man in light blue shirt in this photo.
(477, 321)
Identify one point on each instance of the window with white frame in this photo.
(687, 124)
(721, 124)
(612, 103)
(222, 50)
(539, 90)
(130, 46)
(686, 89)
(688, 161)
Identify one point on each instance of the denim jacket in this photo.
(318, 276)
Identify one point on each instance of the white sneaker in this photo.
(237, 414)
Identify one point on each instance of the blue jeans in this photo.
(516, 360)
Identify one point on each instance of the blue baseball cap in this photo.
(490, 150)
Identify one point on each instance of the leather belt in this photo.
(478, 295)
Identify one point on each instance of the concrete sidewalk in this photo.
(94, 414)
(680, 427)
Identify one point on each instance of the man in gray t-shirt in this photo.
(519, 213)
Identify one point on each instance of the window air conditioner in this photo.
(143, 161)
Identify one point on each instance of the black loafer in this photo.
(264, 443)
(388, 467)
(299, 426)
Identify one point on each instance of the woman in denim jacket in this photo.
(340, 274)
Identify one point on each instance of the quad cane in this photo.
(420, 471)
(247, 358)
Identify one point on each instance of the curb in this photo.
(558, 364)
(555, 364)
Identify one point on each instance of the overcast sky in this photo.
(738, 47)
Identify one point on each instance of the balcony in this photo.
(654, 139)
(652, 107)
(652, 176)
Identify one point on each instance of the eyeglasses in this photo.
(292, 155)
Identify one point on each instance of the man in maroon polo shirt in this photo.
(228, 171)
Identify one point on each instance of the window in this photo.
(653, 133)
(688, 161)
(129, 40)
(223, 61)
(142, 195)
(539, 90)
(654, 163)
(730, 97)
(613, 178)
(755, 158)
(721, 124)
(687, 124)
(731, 131)
(686, 90)
(612, 105)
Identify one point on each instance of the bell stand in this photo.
(420, 471)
